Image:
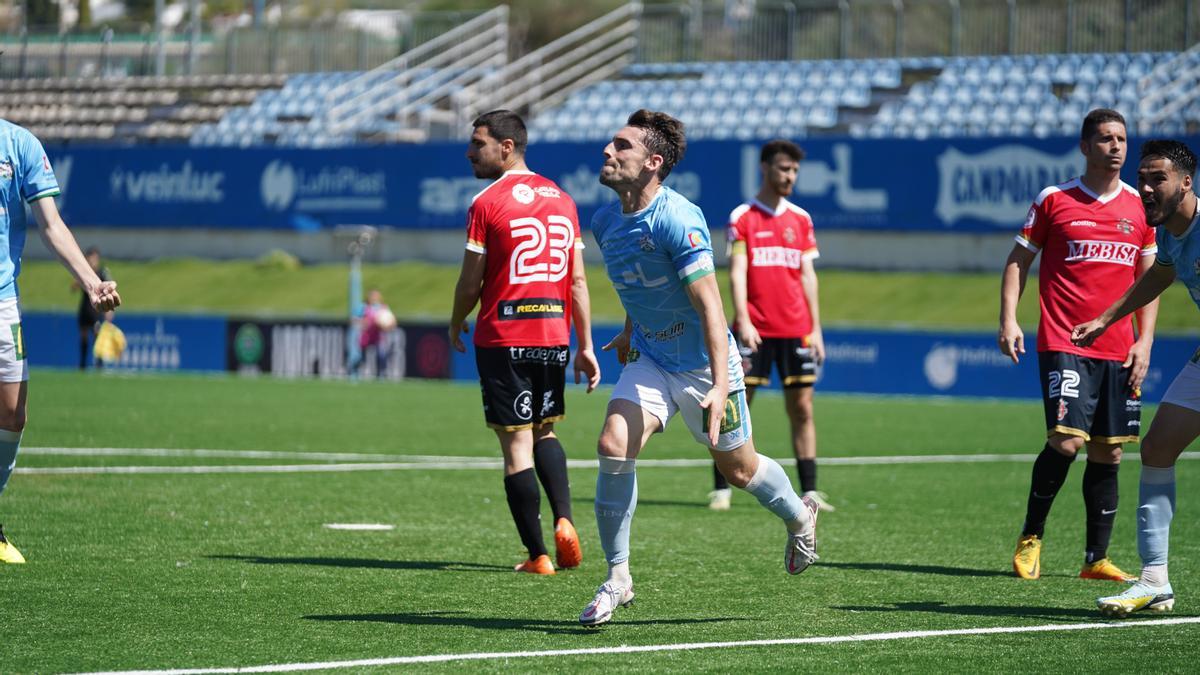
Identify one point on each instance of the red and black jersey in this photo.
(775, 242)
(528, 229)
(1091, 246)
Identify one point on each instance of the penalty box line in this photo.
(642, 649)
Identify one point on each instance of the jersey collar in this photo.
(1103, 199)
(777, 211)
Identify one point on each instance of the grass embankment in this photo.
(424, 291)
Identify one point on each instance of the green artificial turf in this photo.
(425, 291)
(158, 571)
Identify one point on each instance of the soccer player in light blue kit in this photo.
(678, 353)
(26, 178)
(1165, 178)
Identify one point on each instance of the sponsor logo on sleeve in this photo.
(695, 240)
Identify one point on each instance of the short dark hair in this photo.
(1095, 118)
(664, 137)
(92, 250)
(504, 125)
(780, 145)
(1177, 153)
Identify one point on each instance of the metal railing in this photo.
(833, 29)
(1160, 100)
(335, 45)
(544, 77)
(418, 77)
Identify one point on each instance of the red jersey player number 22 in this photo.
(529, 229)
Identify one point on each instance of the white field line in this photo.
(228, 454)
(687, 646)
(425, 462)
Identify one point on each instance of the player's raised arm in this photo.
(466, 295)
(808, 277)
(706, 298)
(581, 314)
(1147, 288)
(738, 265)
(58, 238)
(1138, 358)
(1012, 285)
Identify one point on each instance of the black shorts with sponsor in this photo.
(791, 356)
(1090, 398)
(522, 386)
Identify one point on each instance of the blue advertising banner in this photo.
(915, 363)
(951, 185)
(164, 343)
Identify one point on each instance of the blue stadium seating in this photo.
(1038, 95)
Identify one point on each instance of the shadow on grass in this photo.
(919, 569)
(1049, 613)
(369, 563)
(462, 620)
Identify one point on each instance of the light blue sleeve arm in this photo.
(686, 240)
(1163, 257)
(35, 175)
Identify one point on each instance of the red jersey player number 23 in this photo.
(528, 228)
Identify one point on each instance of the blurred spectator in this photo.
(376, 322)
(89, 318)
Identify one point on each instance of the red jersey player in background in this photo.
(524, 265)
(777, 317)
(1095, 242)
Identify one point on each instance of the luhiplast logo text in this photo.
(998, 185)
(284, 186)
(169, 183)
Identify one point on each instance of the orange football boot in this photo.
(539, 565)
(566, 543)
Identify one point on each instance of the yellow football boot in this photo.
(8, 552)
(1105, 570)
(1137, 597)
(1027, 561)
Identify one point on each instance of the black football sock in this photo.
(525, 503)
(807, 468)
(1100, 502)
(719, 482)
(551, 464)
(1049, 472)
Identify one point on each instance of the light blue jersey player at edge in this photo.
(1165, 184)
(26, 178)
(677, 351)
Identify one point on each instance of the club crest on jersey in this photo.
(789, 235)
(523, 193)
(695, 240)
(6, 169)
(1125, 226)
(646, 243)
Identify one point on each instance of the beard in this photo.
(611, 179)
(1157, 215)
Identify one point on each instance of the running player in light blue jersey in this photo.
(678, 353)
(1165, 184)
(26, 178)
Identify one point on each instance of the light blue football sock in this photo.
(1156, 507)
(616, 500)
(773, 489)
(10, 442)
